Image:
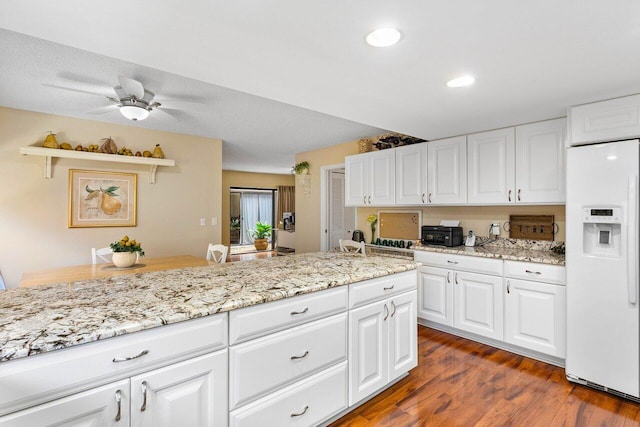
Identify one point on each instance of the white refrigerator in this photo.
(603, 319)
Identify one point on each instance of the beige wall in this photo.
(476, 218)
(308, 206)
(33, 210)
(247, 180)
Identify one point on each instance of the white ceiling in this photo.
(531, 60)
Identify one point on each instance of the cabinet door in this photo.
(447, 171)
(368, 353)
(435, 295)
(478, 304)
(491, 166)
(411, 174)
(403, 334)
(189, 393)
(102, 406)
(540, 162)
(382, 178)
(535, 316)
(609, 120)
(355, 180)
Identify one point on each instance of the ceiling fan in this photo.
(132, 100)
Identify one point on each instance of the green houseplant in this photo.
(260, 235)
(125, 252)
(301, 168)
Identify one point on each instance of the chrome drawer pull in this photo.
(301, 413)
(294, 313)
(532, 272)
(390, 287)
(508, 287)
(452, 262)
(143, 385)
(306, 353)
(119, 402)
(124, 359)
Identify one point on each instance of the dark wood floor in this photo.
(462, 383)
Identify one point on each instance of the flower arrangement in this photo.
(127, 245)
(373, 220)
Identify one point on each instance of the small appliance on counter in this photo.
(358, 236)
(441, 235)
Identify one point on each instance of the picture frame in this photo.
(102, 199)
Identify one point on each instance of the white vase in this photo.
(124, 259)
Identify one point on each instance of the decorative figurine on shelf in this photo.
(373, 220)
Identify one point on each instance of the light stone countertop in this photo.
(49, 317)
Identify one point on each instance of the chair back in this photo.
(217, 253)
(101, 254)
(352, 246)
(2, 287)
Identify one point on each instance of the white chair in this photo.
(2, 287)
(102, 253)
(217, 253)
(352, 246)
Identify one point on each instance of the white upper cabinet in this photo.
(491, 167)
(608, 120)
(370, 179)
(411, 174)
(540, 162)
(447, 171)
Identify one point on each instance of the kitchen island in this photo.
(152, 322)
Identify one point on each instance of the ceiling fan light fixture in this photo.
(134, 112)
(383, 37)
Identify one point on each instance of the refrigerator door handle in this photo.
(632, 240)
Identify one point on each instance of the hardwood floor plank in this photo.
(459, 382)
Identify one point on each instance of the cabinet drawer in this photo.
(533, 271)
(362, 293)
(306, 403)
(260, 366)
(473, 264)
(36, 379)
(262, 319)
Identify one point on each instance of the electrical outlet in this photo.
(214, 221)
(203, 222)
(495, 228)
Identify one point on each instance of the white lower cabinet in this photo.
(102, 406)
(189, 393)
(478, 304)
(435, 295)
(382, 343)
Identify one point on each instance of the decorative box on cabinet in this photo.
(461, 291)
(535, 314)
(609, 120)
(370, 179)
(383, 333)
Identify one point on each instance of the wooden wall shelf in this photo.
(48, 153)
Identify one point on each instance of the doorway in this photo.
(337, 221)
(248, 206)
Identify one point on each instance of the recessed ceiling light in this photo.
(461, 81)
(383, 37)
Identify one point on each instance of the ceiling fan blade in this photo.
(72, 89)
(175, 100)
(103, 110)
(174, 114)
(120, 93)
(131, 86)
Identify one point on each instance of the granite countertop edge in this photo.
(509, 254)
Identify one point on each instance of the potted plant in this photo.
(301, 168)
(126, 252)
(260, 236)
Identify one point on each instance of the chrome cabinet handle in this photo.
(369, 199)
(143, 386)
(394, 309)
(448, 277)
(509, 195)
(456, 278)
(386, 311)
(304, 411)
(452, 262)
(364, 199)
(295, 313)
(518, 194)
(422, 198)
(390, 287)
(306, 353)
(124, 359)
(429, 198)
(508, 287)
(119, 402)
(532, 272)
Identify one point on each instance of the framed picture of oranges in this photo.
(102, 199)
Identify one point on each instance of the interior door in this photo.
(342, 219)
